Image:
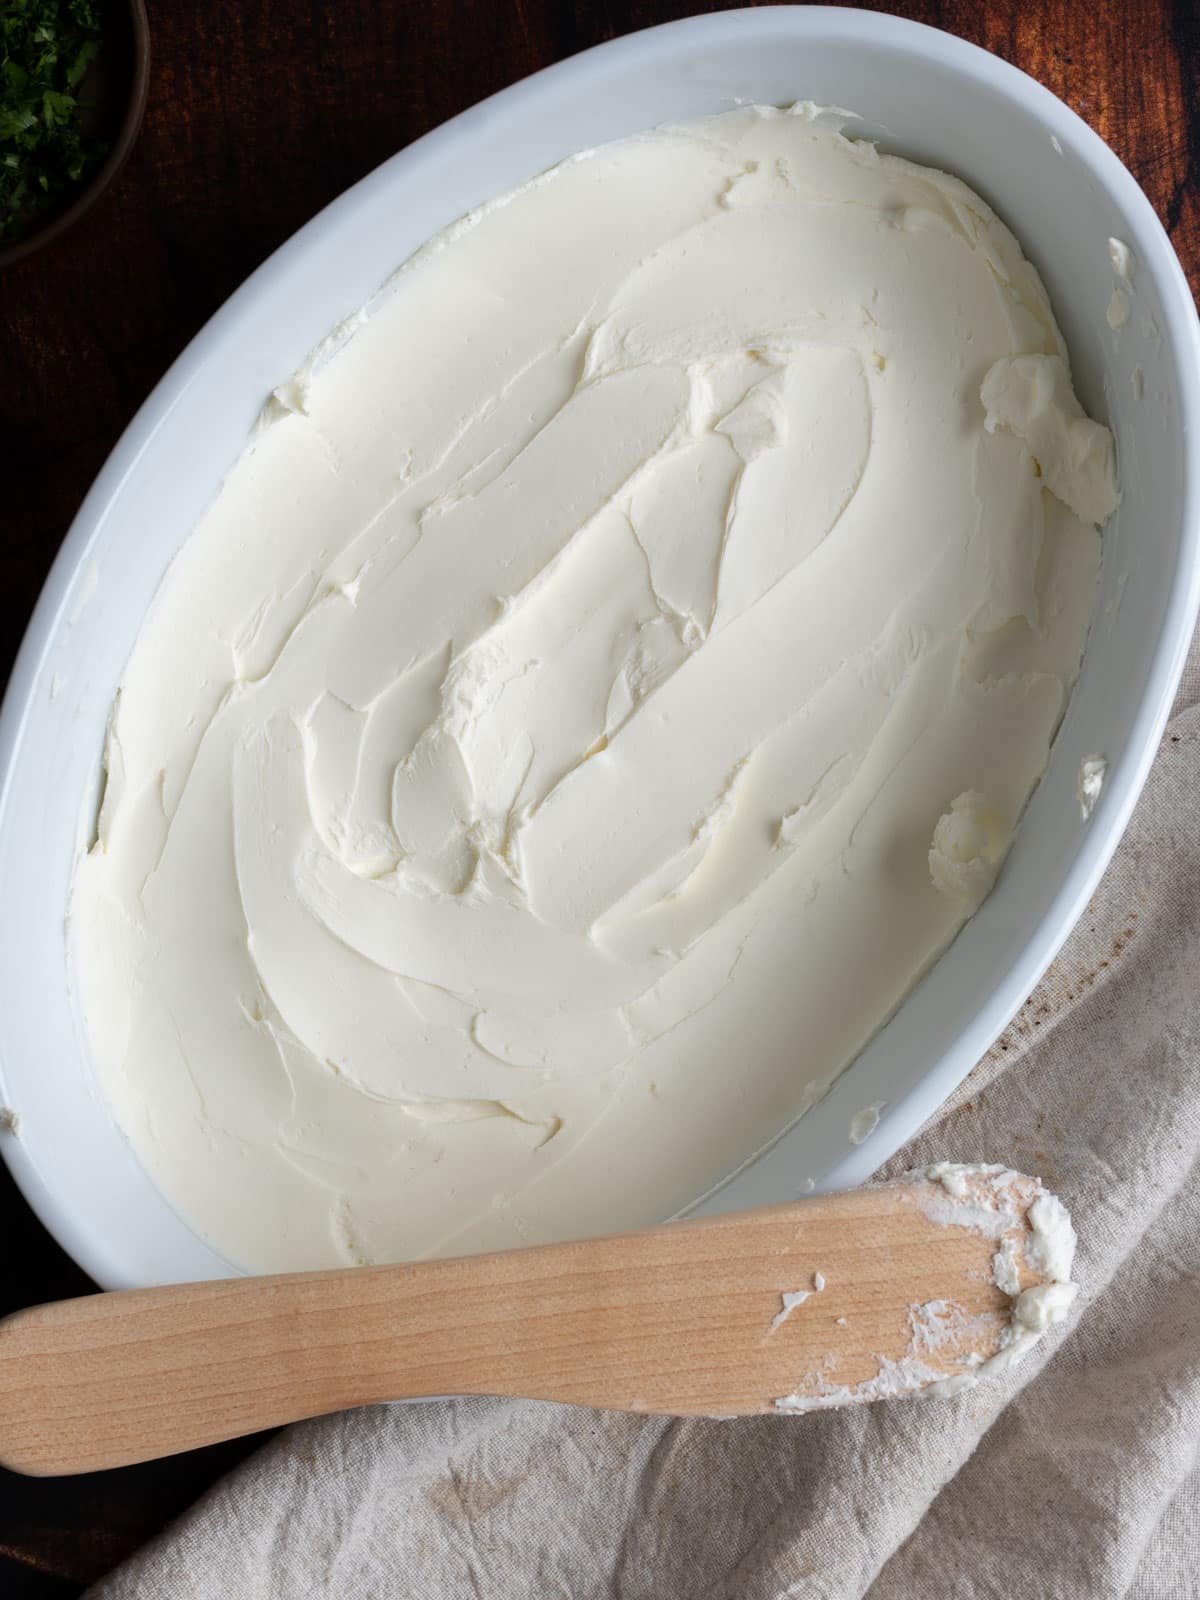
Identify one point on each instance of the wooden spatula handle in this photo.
(684, 1318)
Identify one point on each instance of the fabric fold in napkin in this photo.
(1075, 1477)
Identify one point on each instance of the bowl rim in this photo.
(1181, 331)
(110, 169)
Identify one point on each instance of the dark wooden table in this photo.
(260, 112)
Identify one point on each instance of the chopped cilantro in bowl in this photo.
(46, 152)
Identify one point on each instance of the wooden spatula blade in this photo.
(829, 1301)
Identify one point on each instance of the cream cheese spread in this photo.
(1120, 305)
(520, 800)
(1092, 772)
(1032, 1229)
(1049, 1248)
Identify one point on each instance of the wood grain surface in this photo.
(720, 1316)
(260, 112)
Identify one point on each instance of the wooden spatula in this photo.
(828, 1301)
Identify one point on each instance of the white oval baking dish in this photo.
(923, 94)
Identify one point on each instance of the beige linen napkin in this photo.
(1076, 1477)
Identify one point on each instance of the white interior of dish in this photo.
(924, 95)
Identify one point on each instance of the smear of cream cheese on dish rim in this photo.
(522, 792)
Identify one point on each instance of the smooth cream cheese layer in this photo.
(605, 684)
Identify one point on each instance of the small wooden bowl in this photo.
(122, 78)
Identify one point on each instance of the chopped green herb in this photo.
(46, 47)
